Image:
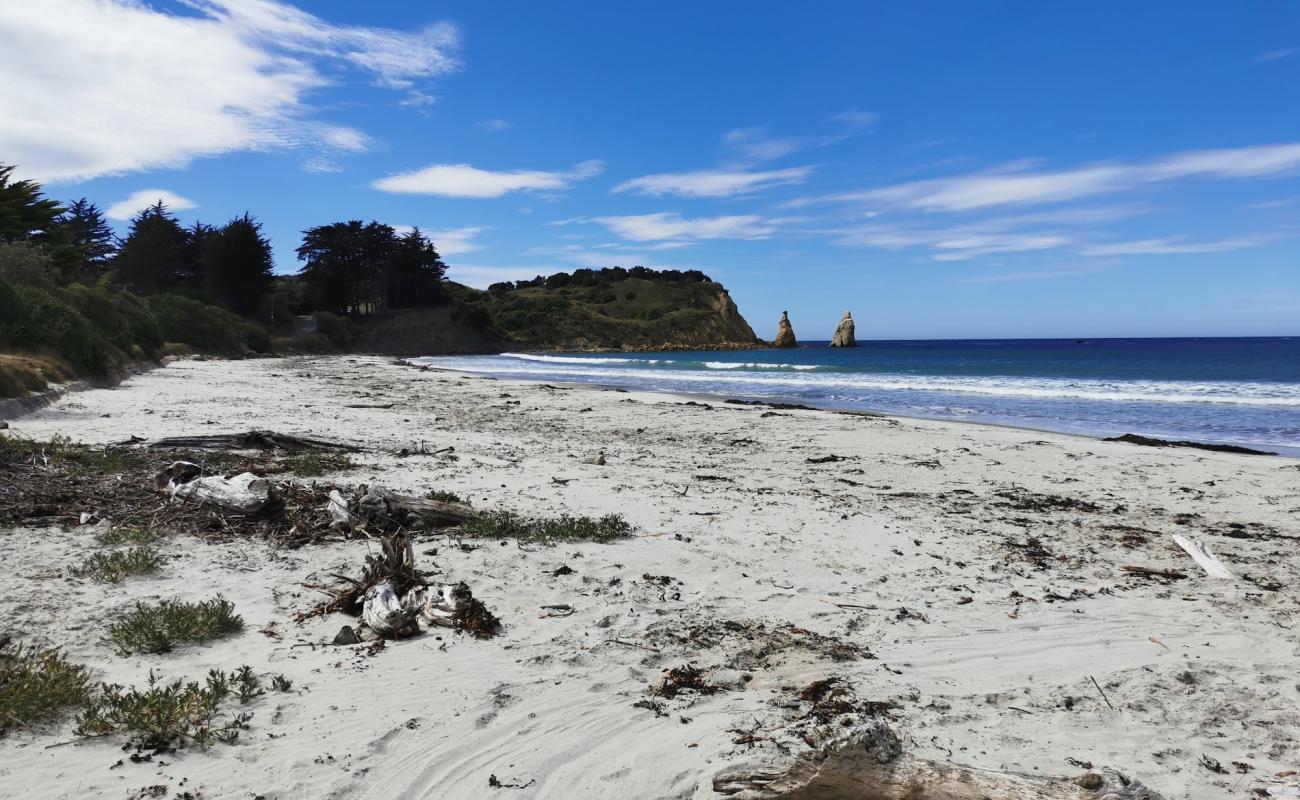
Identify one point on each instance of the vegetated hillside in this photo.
(612, 309)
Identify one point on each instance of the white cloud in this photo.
(755, 144)
(1167, 246)
(480, 277)
(1276, 55)
(856, 119)
(115, 86)
(1036, 275)
(463, 180)
(127, 207)
(713, 183)
(492, 125)
(454, 241)
(1015, 185)
(672, 226)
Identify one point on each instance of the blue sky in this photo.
(943, 169)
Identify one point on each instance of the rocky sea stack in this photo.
(784, 332)
(844, 333)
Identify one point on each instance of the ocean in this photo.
(1243, 391)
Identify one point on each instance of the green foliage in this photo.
(340, 331)
(25, 213)
(154, 250)
(26, 264)
(446, 497)
(169, 715)
(360, 268)
(564, 528)
(237, 265)
(37, 684)
(159, 628)
(207, 328)
(610, 308)
(87, 239)
(313, 464)
(121, 317)
(118, 565)
(136, 536)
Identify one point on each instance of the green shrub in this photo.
(313, 463)
(53, 325)
(36, 684)
(564, 528)
(165, 716)
(207, 328)
(122, 317)
(338, 330)
(139, 536)
(117, 566)
(158, 629)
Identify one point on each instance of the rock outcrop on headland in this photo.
(785, 332)
(844, 333)
(611, 309)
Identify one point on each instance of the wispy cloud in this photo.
(713, 183)
(463, 180)
(449, 242)
(672, 226)
(1276, 55)
(757, 145)
(1170, 246)
(1018, 185)
(1034, 275)
(492, 125)
(482, 276)
(127, 207)
(234, 76)
(1018, 233)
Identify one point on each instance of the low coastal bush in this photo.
(138, 536)
(159, 628)
(37, 685)
(117, 566)
(164, 716)
(564, 528)
(207, 328)
(340, 331)
(443, 496)
(312, 464)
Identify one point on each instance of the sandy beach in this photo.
(969, 579)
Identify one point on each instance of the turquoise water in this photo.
(1232, 391)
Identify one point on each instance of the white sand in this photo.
(1200, 666)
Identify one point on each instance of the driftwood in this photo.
(380, 509)
(1203, 557)
(869, 764)
(1155, 572)
(245, 494)
(251, 440)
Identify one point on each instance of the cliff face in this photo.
(844, 333)
(613, 312)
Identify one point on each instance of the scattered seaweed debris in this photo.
(1024, 500)
(1147, 441)
(831, 698)
(686, 678)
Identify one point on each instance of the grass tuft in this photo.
(313, 464)
(168, 715)
(117, 566)
(159, 628)
(37, 684)
(443, 496)
(564, 528)
(137, 536)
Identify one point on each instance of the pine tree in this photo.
(154, 251)
(89, 240)
(25, 213)
(237, 265)
(416, 274)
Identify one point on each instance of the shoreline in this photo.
(1283, 451)
(968, 582)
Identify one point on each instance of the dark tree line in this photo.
(602, 278)
(365, 268)
(349, 267)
